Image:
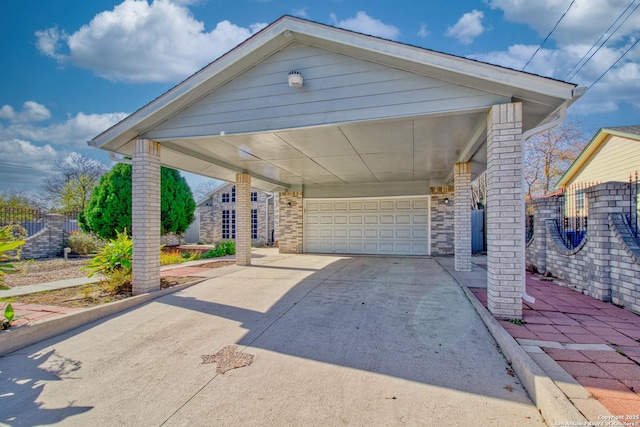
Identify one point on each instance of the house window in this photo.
(226, 197)
(254, 196)
(228, 224)
(254, 223)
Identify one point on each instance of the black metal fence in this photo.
(634, 208)
(572, 215)
(33, 220)
(30, 219)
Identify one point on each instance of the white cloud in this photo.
(423, 32)
(574, 38)
(468, 27)
(363, 23)
(75, 131)
(23, 165)
(31, 112)
(301, 12)
(583, 24)
(140, 42)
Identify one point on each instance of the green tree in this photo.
(109, 210)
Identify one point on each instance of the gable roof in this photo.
(627, 132)
(456, 109)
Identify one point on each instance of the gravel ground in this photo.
(33, 272)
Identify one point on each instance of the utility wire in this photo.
(548, 35)
(573, 73)
(614, 64)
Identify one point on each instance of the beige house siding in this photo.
(614, 160)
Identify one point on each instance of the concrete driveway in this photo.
(336, 341)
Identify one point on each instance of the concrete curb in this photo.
(14, 339)
(553, 404)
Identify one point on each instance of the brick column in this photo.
(543, 210)
(442, 233)
(462, 216)
(505, 211)
(243, 219)
(145, 212)
(289, 217)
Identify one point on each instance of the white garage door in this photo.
(396, 226)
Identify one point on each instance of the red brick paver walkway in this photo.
(30, 313)
(596, 342)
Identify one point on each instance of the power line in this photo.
(570, 75)
(548, 35)
(614, 64)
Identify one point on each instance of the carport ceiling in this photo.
(413, 149)
(371, 111)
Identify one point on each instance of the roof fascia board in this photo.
(583, 157)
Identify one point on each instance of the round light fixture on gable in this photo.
(295, 79)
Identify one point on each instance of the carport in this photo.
(370, 144)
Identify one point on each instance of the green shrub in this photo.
(114, 261)
(226, 247)
(84, 243)
(10, 241)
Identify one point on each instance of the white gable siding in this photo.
(614, 160)
(337, 89)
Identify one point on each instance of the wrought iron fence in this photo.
(529, 212)
(572, 215)
(634, 208)
(70, 222)
(30, 219)
(33, 221)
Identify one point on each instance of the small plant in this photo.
(114, 261)
(173, 257)
(10, 240)
(517, 322)
(84, 243)
(9, 314)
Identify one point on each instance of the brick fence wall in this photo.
(48, 242)
(606, 264)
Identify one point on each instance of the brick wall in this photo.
(211, 217)
(48, 242)
(442, 230)
(289, 222)
(606, 265)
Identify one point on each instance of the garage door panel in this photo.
(374, 226)
(340, 233)
(387, 219)
(371, 233)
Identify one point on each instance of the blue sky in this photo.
(73, 68)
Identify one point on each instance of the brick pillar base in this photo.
(145, 212)
(462, 216)
(289, 223)
(505, 212)
(243, 219)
